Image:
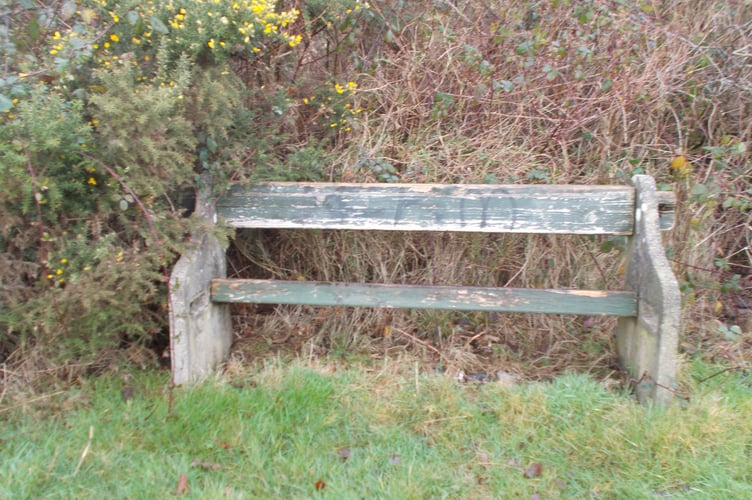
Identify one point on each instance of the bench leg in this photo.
(200, 330)
(647, 345)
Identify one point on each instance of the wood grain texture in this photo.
(589, 302)
(546, 209)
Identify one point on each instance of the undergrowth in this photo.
(113, 109)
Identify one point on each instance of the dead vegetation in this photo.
(521, 92)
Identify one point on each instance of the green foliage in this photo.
(111, 110)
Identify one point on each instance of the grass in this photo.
(286, 430)
(455, 95)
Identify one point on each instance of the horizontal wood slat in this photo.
(432, 207)
(586, 302)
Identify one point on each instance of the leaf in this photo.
(158, 26)
(89, 16)
(132, 17)
(533, 470)
(320, 485)
(504, 85)
(205, 465)
(5, 103)
(128, 393)
(67, 10)
(182, 488)
(344, 453)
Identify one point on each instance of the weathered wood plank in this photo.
(548, 209)
(589, 302)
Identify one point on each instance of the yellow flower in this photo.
(59, 272)
(295, 41)
(92, 181)
(339, 88)
(63, 261)
(114, 38)
(681, 165)
(211, 43)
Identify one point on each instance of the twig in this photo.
(39, 398)
(86, 450)
(423, 343)
(137, 199)
(40, 221)
(648, 378)
(157, 243)
(444, 419)
(729, 369)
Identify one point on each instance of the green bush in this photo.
(110, 112)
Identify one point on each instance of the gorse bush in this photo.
(111, 110)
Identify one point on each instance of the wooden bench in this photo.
(648, 307)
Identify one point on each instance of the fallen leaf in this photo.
(128, 393)
(344, 453)
(182, 488)
(560, 483)
(320, 485)
(588, 322)
(394, 459)
(205, 465)
(533, 470)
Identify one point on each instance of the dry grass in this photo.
(514, 92)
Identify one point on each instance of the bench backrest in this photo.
(545, 209)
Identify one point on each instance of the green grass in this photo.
(407, 437)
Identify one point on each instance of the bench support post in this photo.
(200, 330)
(647, 344)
